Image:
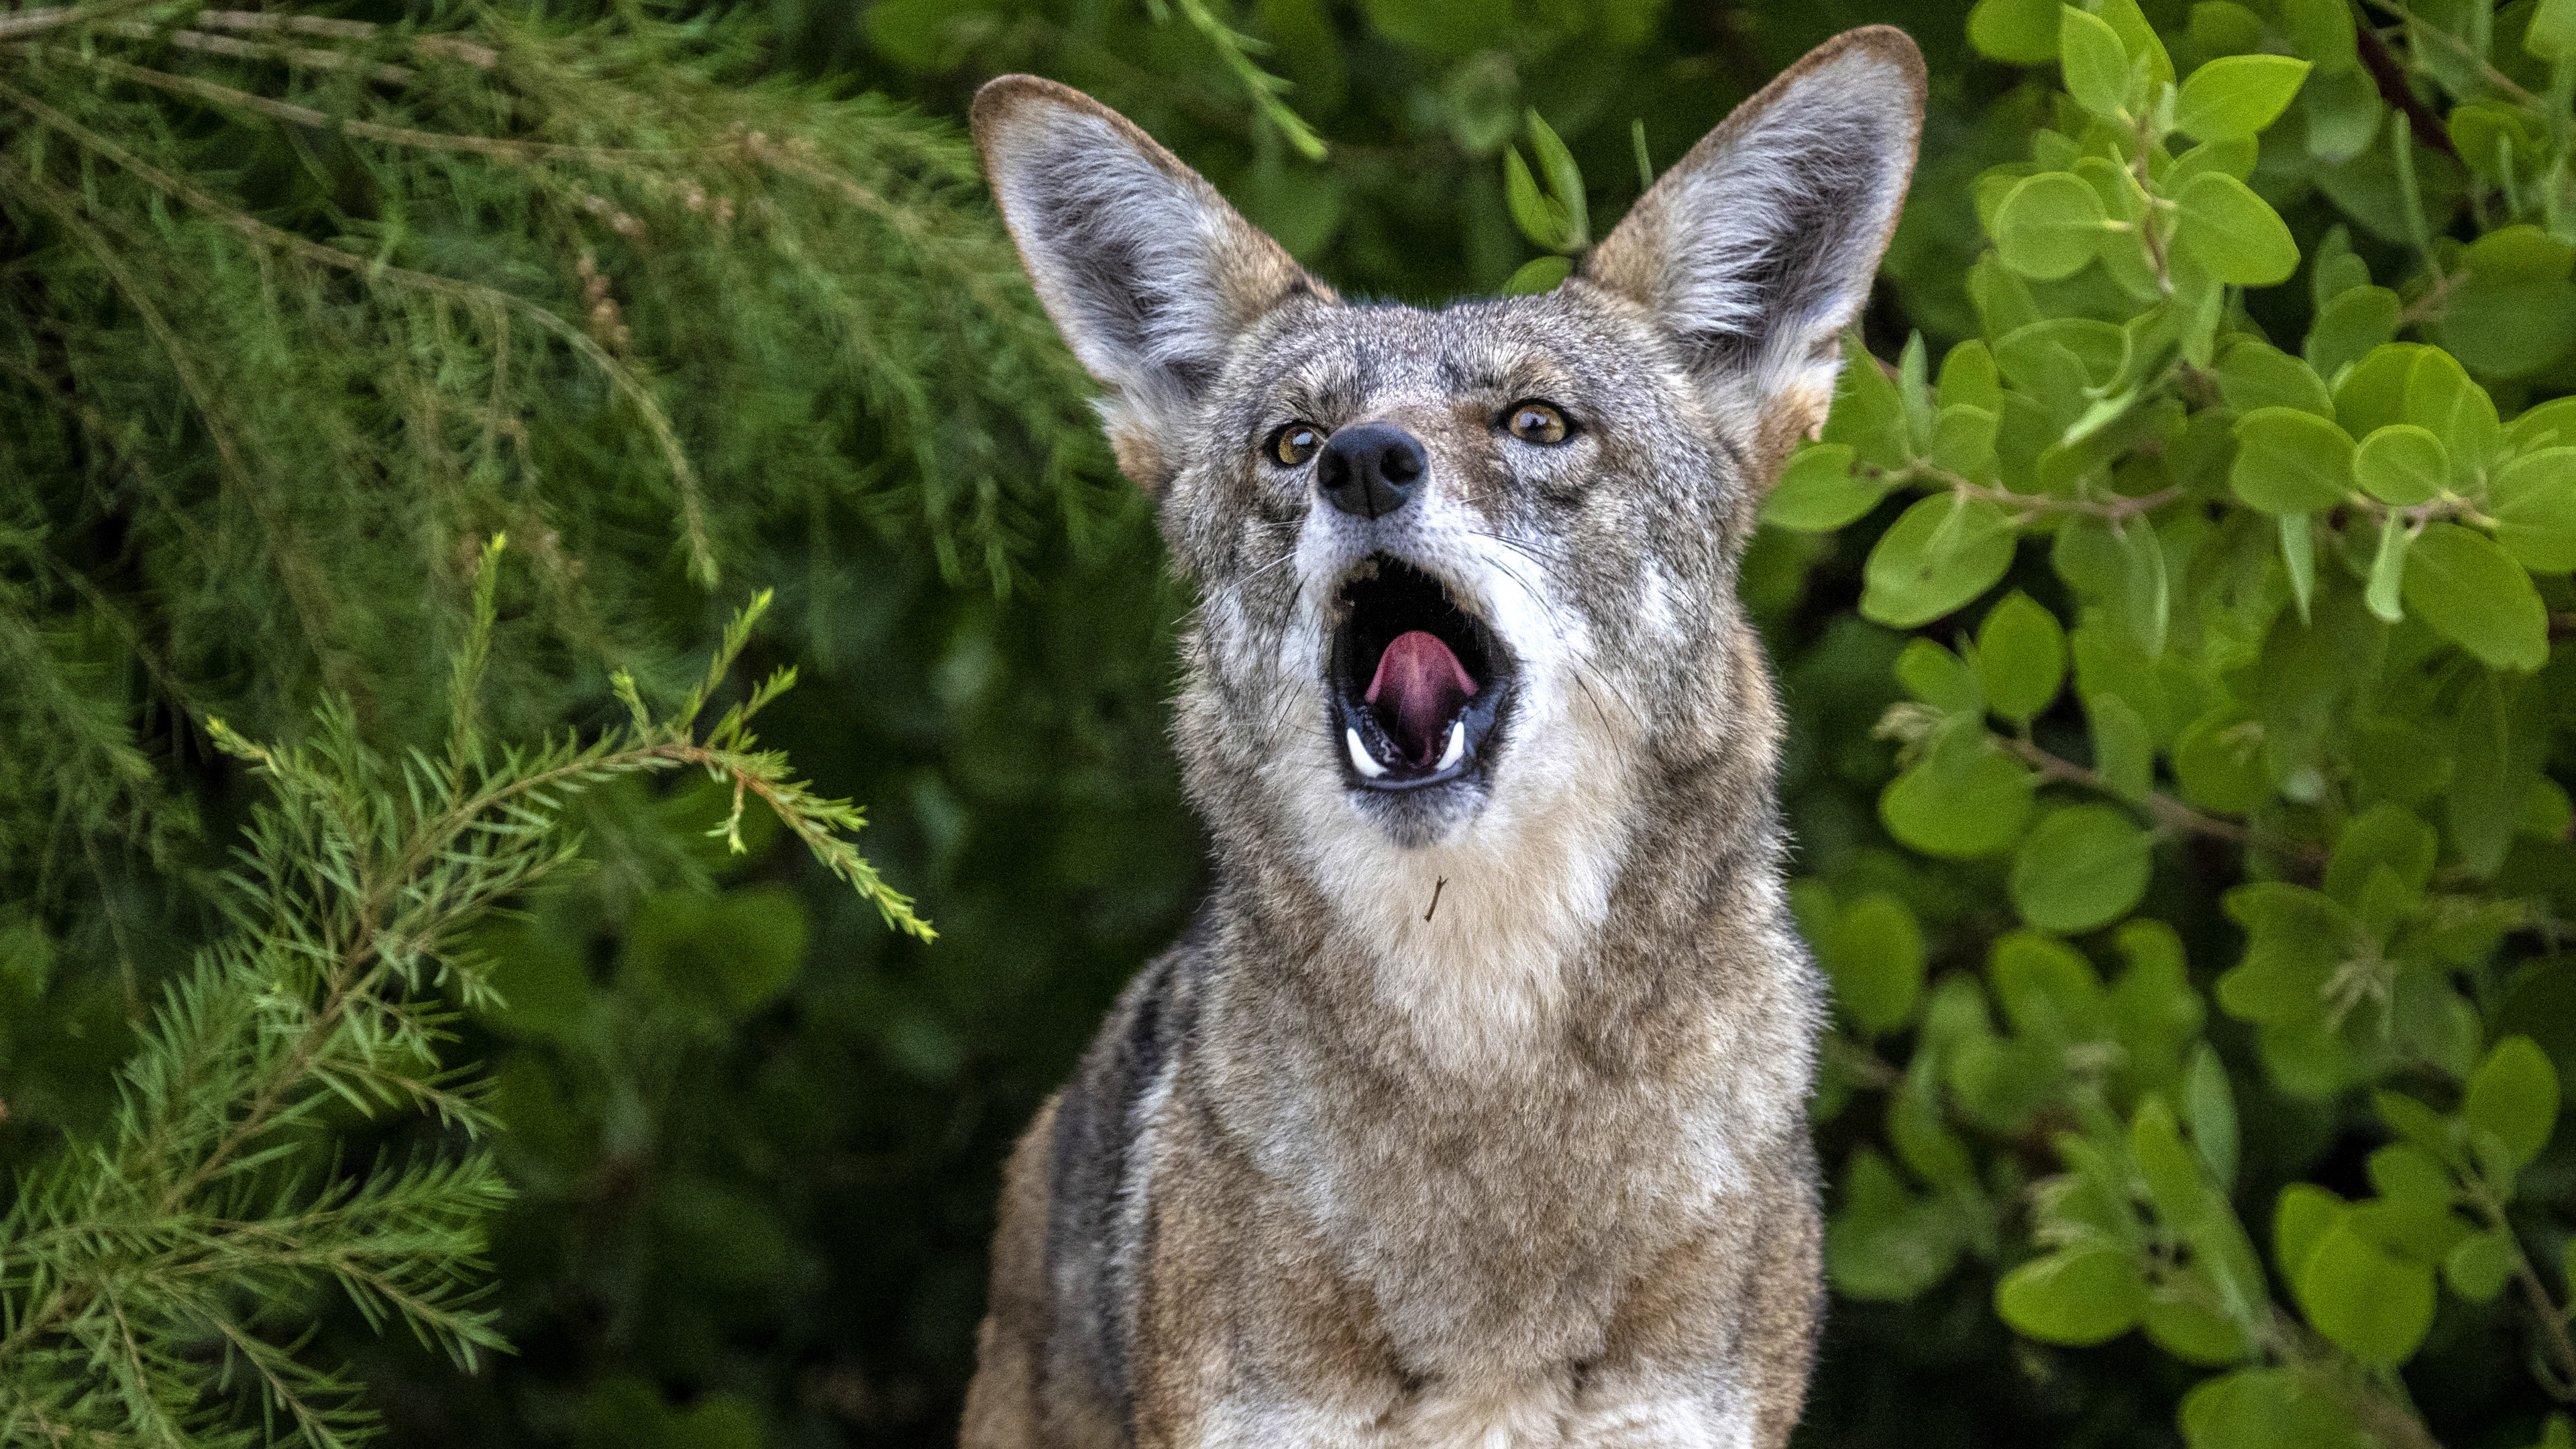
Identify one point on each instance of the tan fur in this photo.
(1471, 1115)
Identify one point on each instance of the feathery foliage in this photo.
(157, 1285)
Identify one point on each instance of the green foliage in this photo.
(2313, 624)
(2175, 634)
(203, 1223)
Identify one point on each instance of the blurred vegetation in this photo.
(2175, 620)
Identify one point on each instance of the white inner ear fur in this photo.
(1148, 273)
(1769, 242)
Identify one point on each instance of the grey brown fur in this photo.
(1530, 1167)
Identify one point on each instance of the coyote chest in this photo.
(1470, 1111)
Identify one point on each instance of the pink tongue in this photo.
(1422, 685)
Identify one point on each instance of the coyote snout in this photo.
(1471, 1109)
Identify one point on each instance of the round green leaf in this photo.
(2021, 655)
(2050, 224)
(2234, 96)
(1941, 553)
(2022, 32)
(2076, 1296)
(1964, 800)
(1874, 955)
(2401, 464)
(2218, 759)
(2235, 237)
(2514, 1095)
(2476, 596)
(2479, 1265)
(2533, 503)
(2267, 1408)
(1537, 275)
(2290, 461)
(2440, 397)
(2082, 868)
(2366, 1300)
(2096, 64)
(1818, 492)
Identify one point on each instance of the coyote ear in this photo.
(1757, 249)
(1145, 269)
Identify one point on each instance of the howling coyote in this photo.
(1472, 1108)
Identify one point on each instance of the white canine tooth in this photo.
(1360, 754)
(1457, 745)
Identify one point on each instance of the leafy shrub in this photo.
(2179, 759)
(2270, 611)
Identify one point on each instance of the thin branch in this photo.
(2169, 812)
(621, 378)
(2393, 88)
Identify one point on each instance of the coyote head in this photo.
(1467, 573)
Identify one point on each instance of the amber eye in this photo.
(1536, 422)
(1294, 444)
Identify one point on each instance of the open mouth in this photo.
(1418, 684)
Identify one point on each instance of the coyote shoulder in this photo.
(1471, 1108)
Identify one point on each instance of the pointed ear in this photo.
(1757, 249)
(1145, 269)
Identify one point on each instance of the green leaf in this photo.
(2386, 837)
(2300, 1218)
(2218, 761)
(2096, 64)
(2221, 224)
(2388, 570)
(1941, 553)
(2213, 1113)
(1940, 678)
(2235, 96)
(2533, 503)
(2076, 1296)
(2222, 27)
(2401, 464)
(1965, 799)
(1874, 955)
(2267, 1408)
(2476, 596)
(2020, 32)
(2021, 655)
(1867, 414)
(2124, 752)
(1541, 220)
(1540, 274)
(2081, 868)
(2478, 1267)
(2322, 30)
(2514, 1095)
(2441, 398)
(1887, 1243)
(2349, 326)
(1564, 181)
(2299, 560)
(2254, 374)
(2050, 225)
(2290, 461)
(1969, 379)
(2552, 32)
(2373, 1305)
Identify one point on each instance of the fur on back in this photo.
(1471, 1114)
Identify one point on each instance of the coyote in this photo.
(1471, 1110)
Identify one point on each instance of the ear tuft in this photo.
(1146, 270)
(1757, 248)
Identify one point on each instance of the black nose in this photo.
(1370, 470)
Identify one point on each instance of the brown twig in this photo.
(2169, 812)
(2391, 79)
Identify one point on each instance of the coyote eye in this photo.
(1292, 445)
(1536, 422)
